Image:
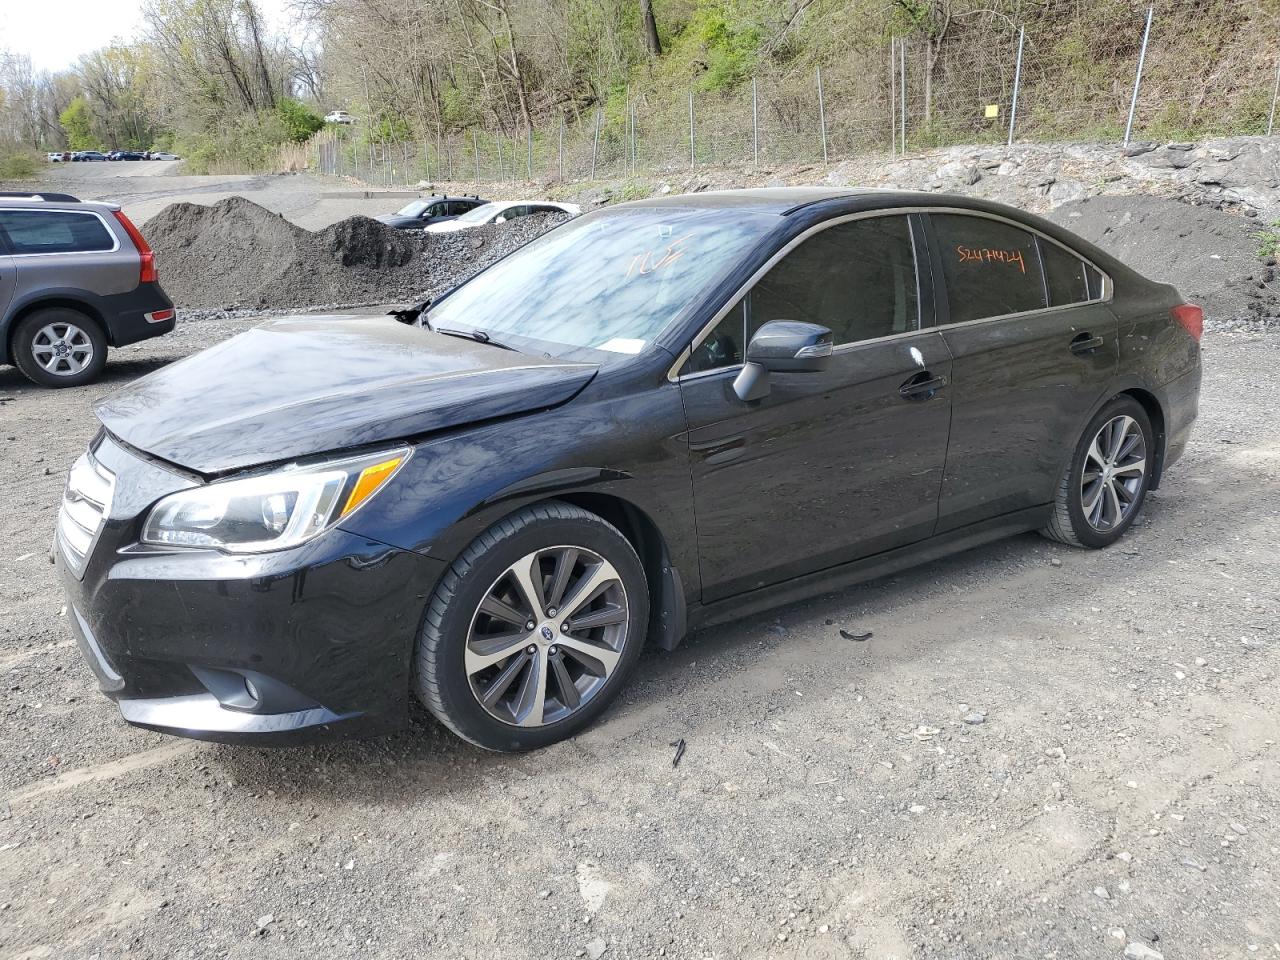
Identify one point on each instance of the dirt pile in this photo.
(236, 255)
(1210, 256)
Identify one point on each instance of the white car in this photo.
(339, 116)
(165, 156)
(55, 157)
(500, 212)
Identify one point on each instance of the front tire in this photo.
(1106, 482)
(59, 347)
(533, 630)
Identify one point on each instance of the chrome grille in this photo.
(85, 503)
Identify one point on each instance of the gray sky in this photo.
(56, 32)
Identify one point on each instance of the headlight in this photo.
(271, 511)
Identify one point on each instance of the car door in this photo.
(830, 466)
(1034, 347)
(435, 212)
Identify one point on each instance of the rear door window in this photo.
(992, 268)
(54, 231)
(1066, 275)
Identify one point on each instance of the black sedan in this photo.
(421, 213)
(658, 416)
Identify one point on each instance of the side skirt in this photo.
(868, 568)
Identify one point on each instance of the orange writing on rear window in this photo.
(990, 255)
(649, 261)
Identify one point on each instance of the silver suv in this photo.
(75, 278)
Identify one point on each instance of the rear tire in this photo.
(1105, 484)
(533, 630)
(59, 347)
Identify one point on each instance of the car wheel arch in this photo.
(667, 601)
(24, 309)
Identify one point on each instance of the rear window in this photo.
(991, 267)
(1069, 279)
(54, 231)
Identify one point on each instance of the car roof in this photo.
(55, 201)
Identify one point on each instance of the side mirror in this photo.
(782, 346)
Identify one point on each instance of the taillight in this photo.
(146, 259)
(1190, 318)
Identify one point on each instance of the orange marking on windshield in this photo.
(991, 255)
(643, 264)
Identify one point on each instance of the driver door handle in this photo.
(922, 386)
(1085, 343)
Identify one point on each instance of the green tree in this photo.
(299, 120)
(77, 122)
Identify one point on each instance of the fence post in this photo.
(893, 97)
(1137, 81)
(902, 93)
(561, 150)
(755, 124)
(595, 145)
(530, 159)
(1017, 79)
(822, 117)
(693, 157)
(1275, 92)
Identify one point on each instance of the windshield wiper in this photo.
(479, 336)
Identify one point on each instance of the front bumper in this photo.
(273, 648)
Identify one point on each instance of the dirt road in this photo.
(837, 798)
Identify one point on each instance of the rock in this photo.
(1101, 893)
(265, 921)
(1239, 828)
(596, 948)
(1065, 191)
(1140, 951)
(1055, 562)
(975, 717)
(1138, 149)
(1147, 934)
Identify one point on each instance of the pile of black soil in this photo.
(236, 255)
(1210, 256)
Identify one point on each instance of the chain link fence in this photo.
(1174, 69)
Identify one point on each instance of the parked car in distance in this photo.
(58, 156)
(658, 416)
(125, 155)
(89, 156)
(75, 279)
(420, 213)
(339, 116)
(501, 211)
(162, 155)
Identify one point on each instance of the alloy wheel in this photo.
(547, 636)
(62, 349)
(1114, 469)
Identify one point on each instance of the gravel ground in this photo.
(1040, 752)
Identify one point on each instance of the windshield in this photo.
(413, 209)
(609, 281)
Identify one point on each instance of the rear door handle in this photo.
(922, 386)
(1085, 343)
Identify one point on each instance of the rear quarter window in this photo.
(1068, 278)
(54, 231)
(992, 268)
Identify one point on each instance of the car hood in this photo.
(308, 385)
(449, 226)
(395, 220)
